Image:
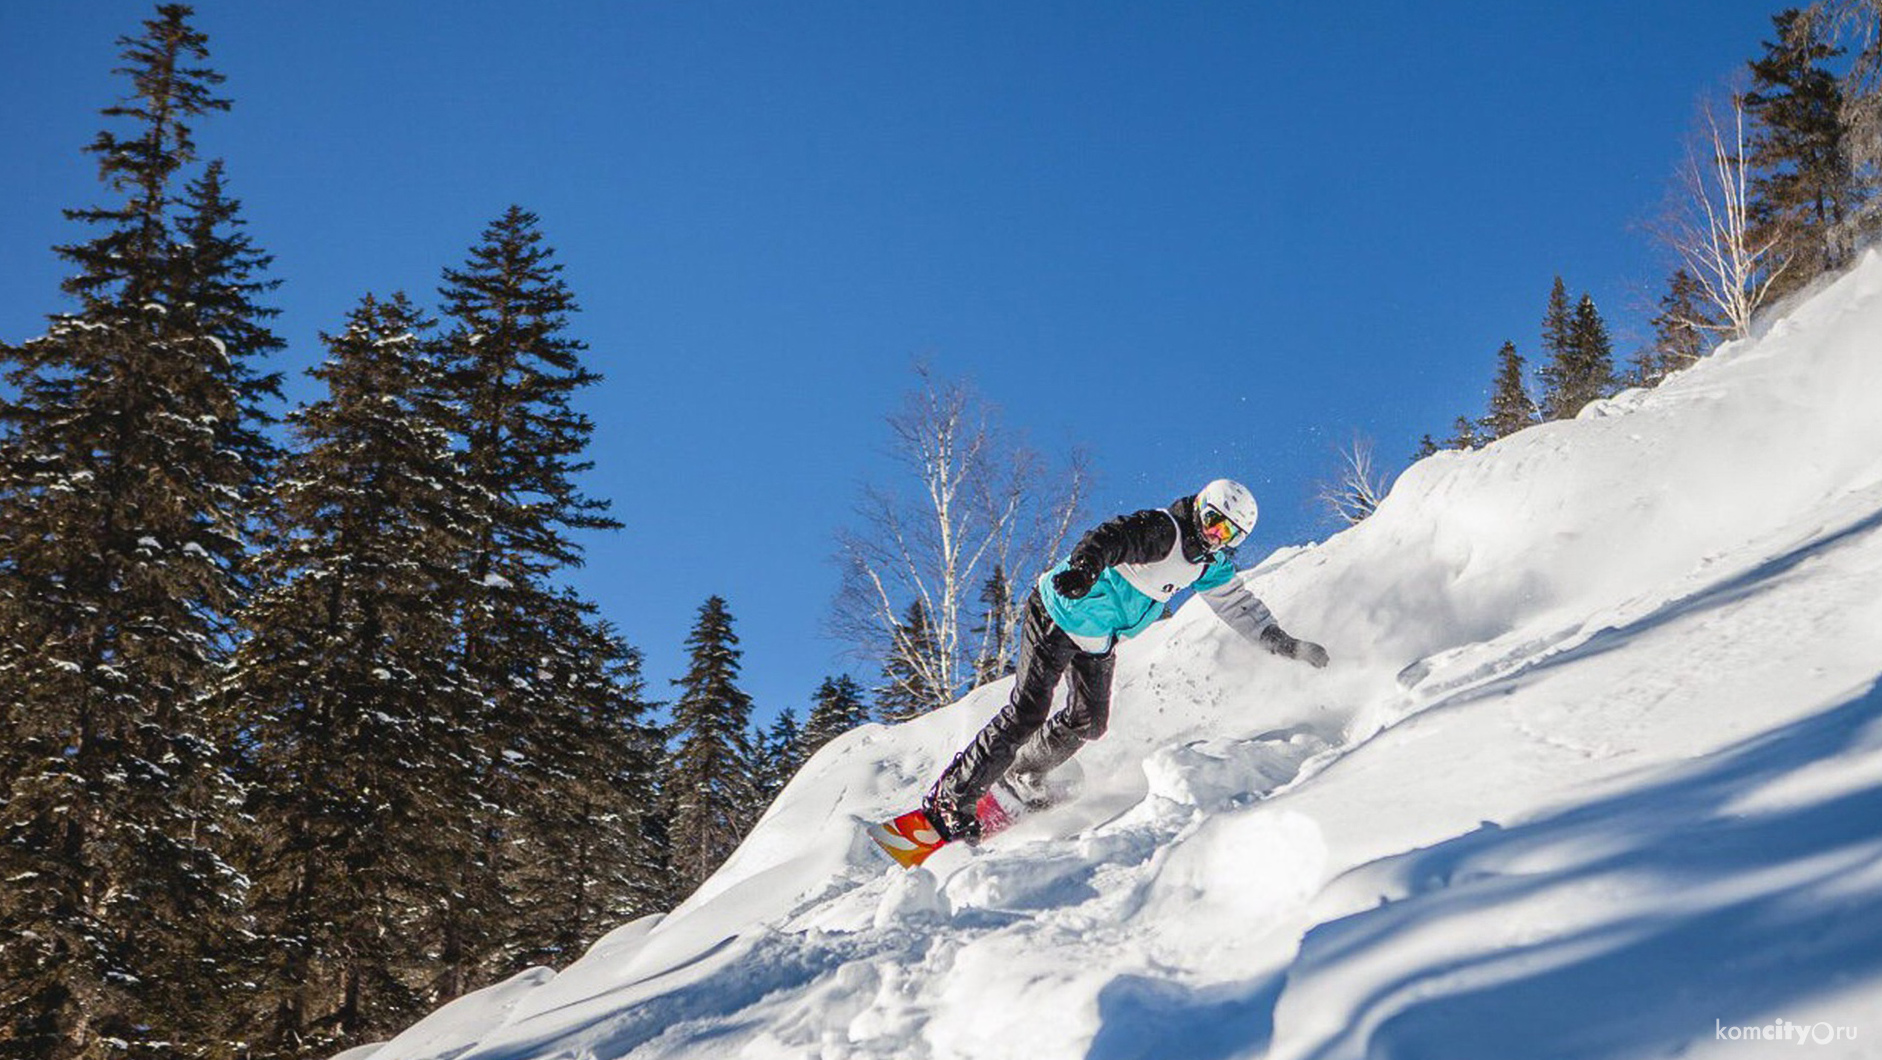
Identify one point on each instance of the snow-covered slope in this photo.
(1597, 772)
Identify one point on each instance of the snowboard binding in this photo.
(911, 838)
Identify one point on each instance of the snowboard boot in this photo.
(1031, 788)
(1041, 791)
(952, 816)
(1040, 757)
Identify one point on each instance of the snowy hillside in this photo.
(1597, 772)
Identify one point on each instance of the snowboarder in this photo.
(1112, 587)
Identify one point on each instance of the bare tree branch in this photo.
(1357, 489)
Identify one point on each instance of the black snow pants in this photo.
(1020, 738)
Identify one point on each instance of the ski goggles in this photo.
(1219, 530)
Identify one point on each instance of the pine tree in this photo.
(1582, 368)
(1862, 111)
(214, 282)
(909, 689)
(121, 269)
(994, 659)
(592, 859)
(1464, 435)
(1804, 185)
(1427, 446)
(1557, 343)
(512, 371)
(1594, 355)
(123, 517)
(711, 792)
(1511, 407)
(837, 708)
(346, 689)
(1681, 331)
(778, 753)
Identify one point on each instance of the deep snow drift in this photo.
(1596, 772)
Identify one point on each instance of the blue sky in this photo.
(1197, 239)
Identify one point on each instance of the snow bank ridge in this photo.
(1595, 773)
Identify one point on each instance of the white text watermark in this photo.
(1819, 1033)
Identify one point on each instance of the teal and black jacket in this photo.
(1141, 560)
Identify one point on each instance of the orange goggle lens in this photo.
(1220, 528)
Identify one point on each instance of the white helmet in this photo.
(1225, 513)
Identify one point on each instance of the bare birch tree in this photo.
(975, 499)
(1709, 226)
(1357, 488)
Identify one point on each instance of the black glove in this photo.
(1074, 582)
(1278, 642)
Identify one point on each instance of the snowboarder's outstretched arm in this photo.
(1278, 642)
(1247, 615)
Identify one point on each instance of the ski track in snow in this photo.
(1604, 778)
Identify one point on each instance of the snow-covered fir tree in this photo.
(708, 785)
(129, 452)
(215, 279)
(777, 754)
(1803, 184)
(1466, 434)
(909, 688)
(994, 658)
(1511, 407)
(512, 371)
(1581, 359)
(590, 859)
(1593, 377)
(837, 707)
(1861, 21)
(1557, 349)
(1682, 331)
(346, 691)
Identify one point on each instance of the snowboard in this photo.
(911, 838)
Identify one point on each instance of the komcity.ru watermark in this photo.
(1822, 1033)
